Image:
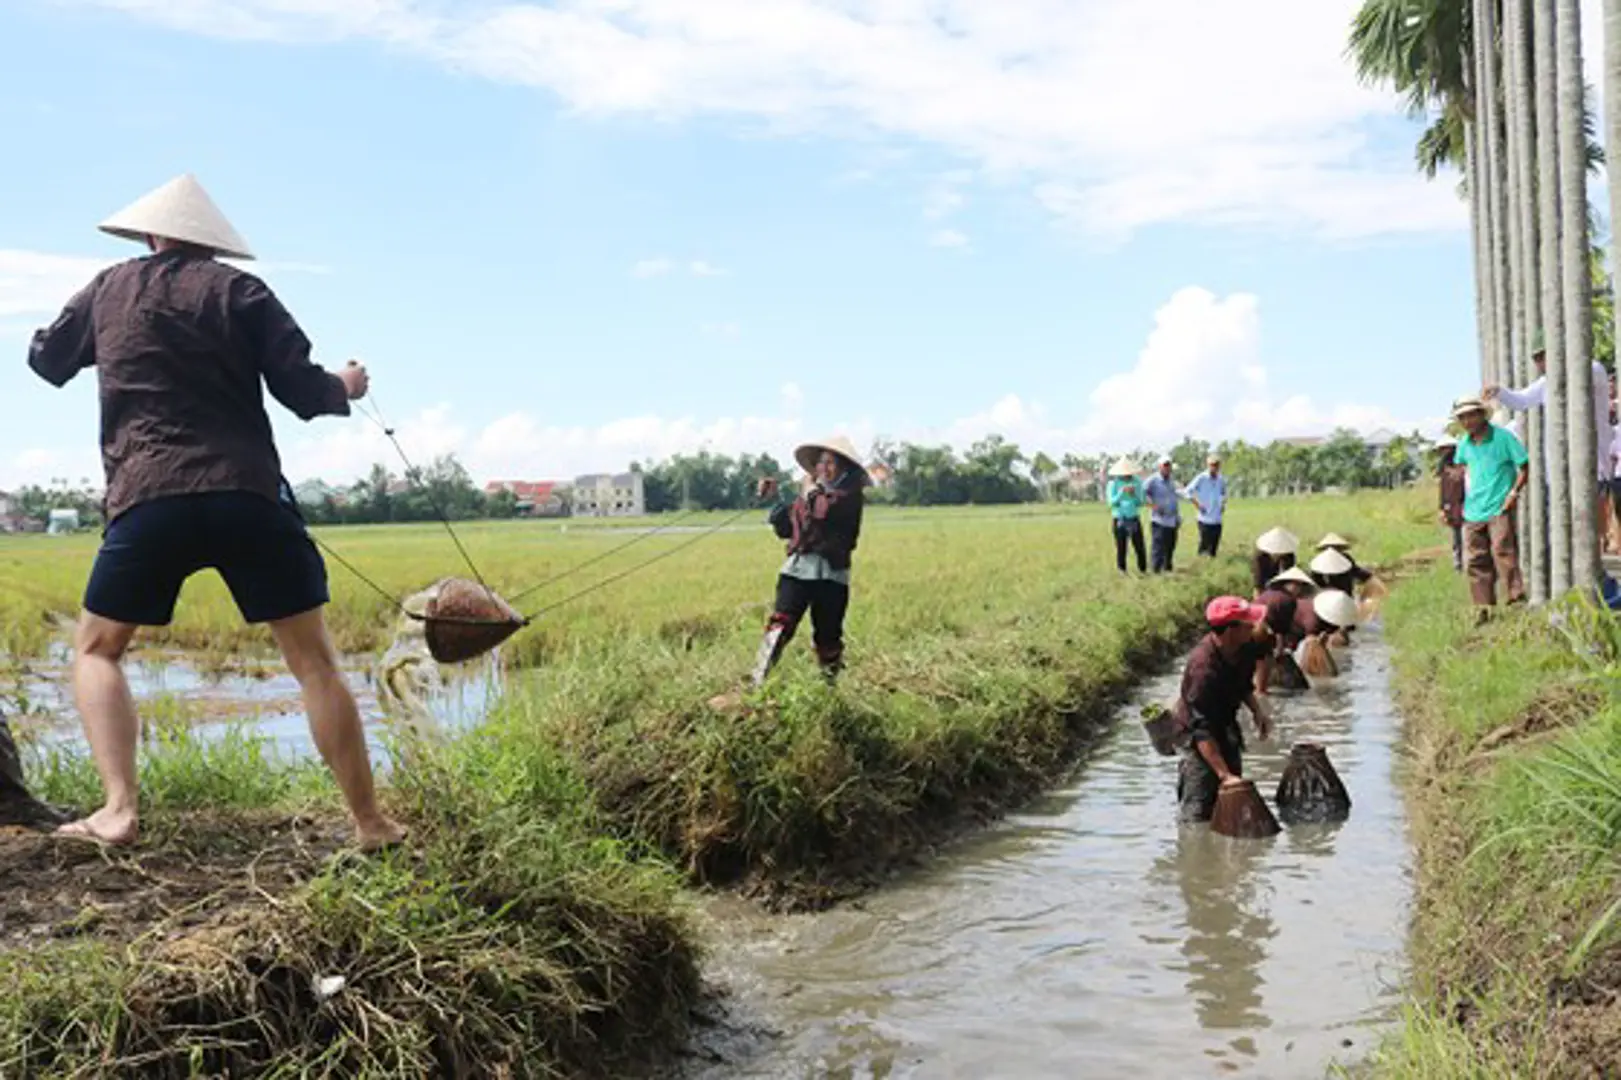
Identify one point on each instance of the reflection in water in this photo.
(1091, 935)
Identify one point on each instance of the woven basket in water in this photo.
(1310, 791)
(1316, 660)
(1241, 812)
(1286, 674)
(465, 619)
(1165, 728)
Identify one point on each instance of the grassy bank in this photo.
(1515, 790)
(510, 939)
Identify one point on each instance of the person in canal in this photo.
(1274, 553)
(1125, 494)
(822, 527)
(183, 346)
(1219, 679)
(1281, 598)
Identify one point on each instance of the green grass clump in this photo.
(1516, 729)
(511, 937)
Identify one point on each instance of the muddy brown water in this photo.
(1090, 935)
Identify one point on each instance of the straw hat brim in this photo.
(1278, 542)
(1122, 469)
(179, 210)
(1330, 562)
(1294, 574)
(809, 452)
(1336, 607)
(1333, 540)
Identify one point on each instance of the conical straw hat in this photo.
(179, 210)
(1122, 467)
(1330, 562)
(1333, 540)
(1278, 541)
(1335, 607)
(807, 454)
(1295, 574)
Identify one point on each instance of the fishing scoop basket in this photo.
(1286, 674)
(1241, 812)
(1316, 660)
(464, 619)
(1165, 728)
(1310, 791)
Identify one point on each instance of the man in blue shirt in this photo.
(1497, 464)
(1209, 495)
(1164, 516)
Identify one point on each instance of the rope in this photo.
(638, 538)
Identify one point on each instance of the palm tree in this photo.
(1578, 295)
(1550, 219)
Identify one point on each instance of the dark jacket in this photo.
(1265, 567)
(823, 521)
(1452, 493)
(1213, 690)
(183, 347)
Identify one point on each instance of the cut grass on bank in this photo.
(511, 938)
(1516, 800)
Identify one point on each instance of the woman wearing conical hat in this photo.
(1125, 494)
(1274, 553)
(822, 527)
(183, 347)
(1281, 598)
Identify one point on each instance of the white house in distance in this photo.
(609, 495)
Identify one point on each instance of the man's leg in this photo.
(1506, 555)
(1457, 547)
(829, 603)
(1478, 558)
(334, 721)
(107, 710)
(1215, 539)
(1157, 547)
(1170, 546)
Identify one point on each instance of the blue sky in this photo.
(566, 235)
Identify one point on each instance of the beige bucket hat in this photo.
(179, 210)
(1278, 541)
(1123, 467)
(1294, 573)
(1336, 607)
(1330, 562)
(1333, 540)
(807, 454)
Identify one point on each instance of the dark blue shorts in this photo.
(259, 546)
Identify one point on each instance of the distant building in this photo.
(535, 498)
(609, 495)
(63, 520)
(314, 492)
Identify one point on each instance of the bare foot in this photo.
(380, 834)
(110, 827)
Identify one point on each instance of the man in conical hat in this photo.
(183, 346)
(822, 527)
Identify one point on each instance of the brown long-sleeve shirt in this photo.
(180, 343)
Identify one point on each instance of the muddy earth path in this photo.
(1090, 935)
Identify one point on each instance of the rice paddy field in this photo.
(541, 920)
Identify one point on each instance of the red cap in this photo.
(1224, 611)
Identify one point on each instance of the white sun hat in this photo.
(1122, 467)
(807, 454)
(1333, 606)
(179, 210)
(1331, 562)
(1294, 573)
(1333, 540)
(1278, 541)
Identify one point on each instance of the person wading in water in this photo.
(822, 527)
(1274, 553)
(1218, 679)
(1281, 598)
(180, 343)
(1125, 495)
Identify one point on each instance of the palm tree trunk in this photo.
(1480, 246)
(1497, 156)
(1486, 195)
(1550, 211)
(1512, 200)
(1585, 566)
(1612, 117)
(1528, 286)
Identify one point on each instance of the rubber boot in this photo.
(17, 805)
(831, 661)
(766, 658)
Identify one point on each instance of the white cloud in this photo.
(1242, 113)
(649, 268)
(700, 268)
(948, 238)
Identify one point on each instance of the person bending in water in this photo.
(181, 343)
(822, 527)
(1274, 553)
(1218, 679)
(1281, 598)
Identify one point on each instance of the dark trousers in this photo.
(1209, 539)
(1197, 784)
(1163, 546)
(827, 602)
(1457, 546)
(1129, 529)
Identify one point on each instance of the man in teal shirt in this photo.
(1497, 472)
(1125, 504)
